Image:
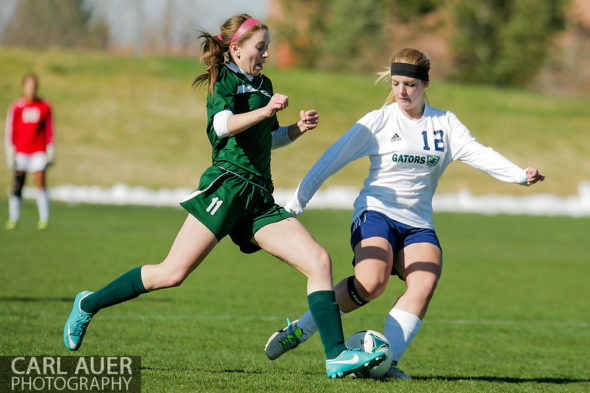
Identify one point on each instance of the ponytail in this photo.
(212, 56)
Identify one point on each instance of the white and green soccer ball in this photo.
(372, 341)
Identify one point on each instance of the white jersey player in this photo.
(409, 144)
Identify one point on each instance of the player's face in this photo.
(252, 53)
(29, 88)
(409, 93)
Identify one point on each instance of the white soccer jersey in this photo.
(407, 159)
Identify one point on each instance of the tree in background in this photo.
(567, 68)
(348, 35)
(65, 23)
(334, 34)
(302, 28)
(354, 35)
(504, 42)
(407, 11)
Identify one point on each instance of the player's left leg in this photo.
(289, 241)
(15, 200)
(420, 264)
(192, 244)
(39, 178)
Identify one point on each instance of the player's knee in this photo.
(322, 261)
(175, 280)
(372, 287)
(423, 287)
(319, 265)
(167, 278)
(19, 182)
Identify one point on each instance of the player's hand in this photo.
(533, 176)
(309, 120)
(10, 157)
(50, 152)
(278, 102)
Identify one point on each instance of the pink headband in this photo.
(244, 27)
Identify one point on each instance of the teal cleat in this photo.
(76, 325)
(283, 340)
(351, 361)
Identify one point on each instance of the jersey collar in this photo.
(426, 112)
(233, 66)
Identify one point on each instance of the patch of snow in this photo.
(337, 197)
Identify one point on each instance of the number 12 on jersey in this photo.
(438, 140)
(214, 206)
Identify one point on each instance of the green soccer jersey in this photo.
(250, 149)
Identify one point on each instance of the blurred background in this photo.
(118, 74)
(504, 42)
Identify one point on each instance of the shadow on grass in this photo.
(31, 299)
(235, 371)
(482, 378)
(485, 378)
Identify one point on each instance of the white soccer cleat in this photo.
(283, 340)
(395, 372)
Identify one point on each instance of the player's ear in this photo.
(235, 49)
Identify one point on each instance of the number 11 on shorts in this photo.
(214, 206)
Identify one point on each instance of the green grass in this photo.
(137, 121)
(511, 313)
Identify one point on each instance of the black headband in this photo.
(411, 70)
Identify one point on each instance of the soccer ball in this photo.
(372, 341)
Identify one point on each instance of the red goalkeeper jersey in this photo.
(29, 126)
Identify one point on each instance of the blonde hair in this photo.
(408, 56)
(215, 49)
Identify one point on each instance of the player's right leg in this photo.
(374, 259)
(192, 244)
(15, 200)
(289, 241)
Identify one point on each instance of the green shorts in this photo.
(234, 203)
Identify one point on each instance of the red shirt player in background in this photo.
(29, 148)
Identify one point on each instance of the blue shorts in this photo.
(374, 224)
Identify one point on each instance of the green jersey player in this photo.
(234, 196)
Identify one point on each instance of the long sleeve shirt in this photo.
(407, 157)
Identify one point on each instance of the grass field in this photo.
(511, 314)
(130, 120)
